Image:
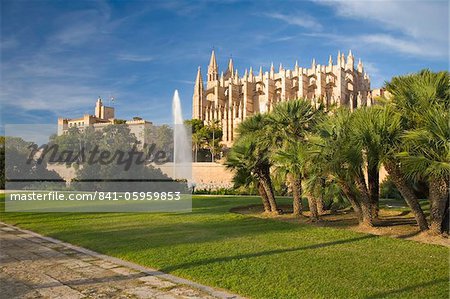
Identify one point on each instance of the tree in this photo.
(365, 128)
(25, 169)
(341, 157)
(123, 167)
(289, 123)
(213, 132)
(246, 166)
(205, 137)
(427, 156)
(250, 153)
(389, 130)
(418, 98)
(290, 161)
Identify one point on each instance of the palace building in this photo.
(103, 117)
(228, 98)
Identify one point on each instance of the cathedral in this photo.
(228, 98)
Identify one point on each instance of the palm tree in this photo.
(341, 157)
(387, 128)
(291, 161)
(240, 159)
(250, 152)
(364, 129)
(427, 156)
(198, 141)
(289, 123)
(414, 97)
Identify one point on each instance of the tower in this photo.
(213, 70)
(197, 99)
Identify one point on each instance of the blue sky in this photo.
(57, 57)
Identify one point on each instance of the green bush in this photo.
(389, 190)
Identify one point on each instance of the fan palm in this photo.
(427, 156)
(418, 99)
(288, 125)
(340, 156)
(291, 161)
(250, 154)
(388, 131)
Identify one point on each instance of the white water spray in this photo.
(182, 143)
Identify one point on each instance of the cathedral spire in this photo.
(272, 71)
(360, 66)
(280, 68)
(197, 100)
(350, 61)
(231, 66)
(213, 62)
(213, 70)
(199, 80)
(230, 70)
(330, 61)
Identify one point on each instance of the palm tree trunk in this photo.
(366, 210)
(373, 175)
(320, 206)
(313, 208)
(296, 185)
(196, 153)
(352, 199)
(265, 199)
(408, 194)
(438, 199)
(267, 184)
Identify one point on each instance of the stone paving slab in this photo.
(33, 266)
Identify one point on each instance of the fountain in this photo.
(182, 143)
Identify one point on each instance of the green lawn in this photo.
(257, 258)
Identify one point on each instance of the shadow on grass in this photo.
(262, 253)
(406, 289)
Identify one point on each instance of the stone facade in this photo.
(229, 98)
(103, 116)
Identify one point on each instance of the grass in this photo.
(258, 258)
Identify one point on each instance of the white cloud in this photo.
(408, 46)
(301, 20)
(411, 27)
(135, 58)
(420, 19)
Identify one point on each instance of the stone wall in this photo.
(205, 175)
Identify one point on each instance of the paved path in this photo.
(33, 266)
